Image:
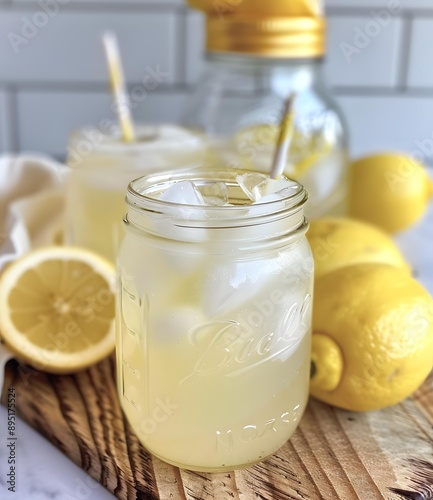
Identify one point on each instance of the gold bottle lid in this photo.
(268, 28)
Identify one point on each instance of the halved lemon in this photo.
(57, 308)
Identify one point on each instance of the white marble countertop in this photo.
(43, 473)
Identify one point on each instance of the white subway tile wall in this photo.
(386, 122)
(5, 128)
(53, 75)
(420, 71)
(375, 65)
(68, 49)
(62, 111)
(195, 46)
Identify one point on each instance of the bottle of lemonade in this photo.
(258, 53)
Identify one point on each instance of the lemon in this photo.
(57, 308)
(372, 337)
(339, 242)
(389, 190)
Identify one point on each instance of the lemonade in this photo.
(102, 167)
(214, 314)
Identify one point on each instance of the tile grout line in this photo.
(404, 49)
(97, 87)
(366, 11)
(12, 114)
(181, 47)
(416, 92)
(82, 87)
(96, 7)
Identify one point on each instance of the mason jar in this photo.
(258, 53)
(214, 321)
(102, 166)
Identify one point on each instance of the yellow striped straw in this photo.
(284, 139)
(117, 82)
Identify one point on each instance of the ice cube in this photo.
(250, 184)
(271, 196)
(227, 285)
(183, 192)
(283, 187)
(257, 186)
(173, 223)
(214, 194)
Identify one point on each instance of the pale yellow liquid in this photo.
(97, 186)
(97, 212)
(210, 383)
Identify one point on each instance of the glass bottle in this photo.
(258, 54)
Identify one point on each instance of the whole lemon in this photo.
(372, 337)
(339, 242)
(389, 190)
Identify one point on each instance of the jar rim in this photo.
(149, 138)
(140, 191)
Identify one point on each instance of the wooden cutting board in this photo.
(333, 455)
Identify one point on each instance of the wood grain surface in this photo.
(333, 455)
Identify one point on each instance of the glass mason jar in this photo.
(102, 166)
(213, 323)
(258, 54)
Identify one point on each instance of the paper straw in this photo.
(284, 139)
(117, 81)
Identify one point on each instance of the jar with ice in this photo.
(214, 316)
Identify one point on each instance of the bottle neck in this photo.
(251, 61)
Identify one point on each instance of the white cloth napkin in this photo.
(31, 204)
(31, 211)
